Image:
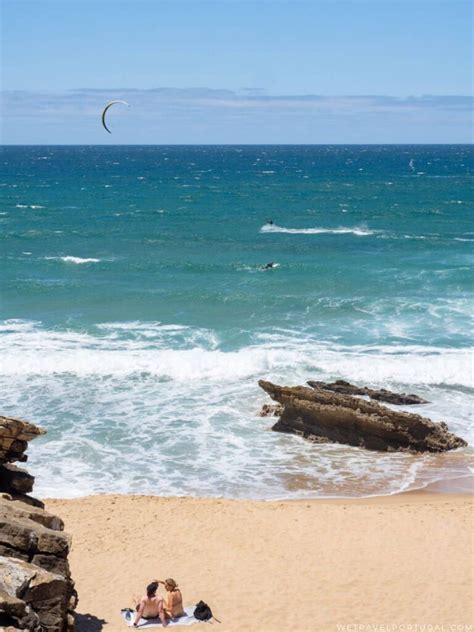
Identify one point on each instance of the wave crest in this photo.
(72, 259)
(359, 231)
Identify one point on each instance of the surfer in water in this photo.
(269, 265)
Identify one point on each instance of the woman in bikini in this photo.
(151, 606)
(173, 601)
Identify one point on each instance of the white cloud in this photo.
(207, 115)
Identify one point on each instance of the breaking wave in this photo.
(356, 230)
(75, 260)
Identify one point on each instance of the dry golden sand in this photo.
(298, 566)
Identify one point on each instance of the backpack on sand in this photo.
(202, 612)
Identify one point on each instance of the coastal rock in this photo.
(9, 551)
(317, 413)
(22, 510)
(15, 480)
(14, 437)
(271, 410)
(36, 589)
(45, 593)
(11, 606)
(382, 395)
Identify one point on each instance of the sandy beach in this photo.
(268, 566)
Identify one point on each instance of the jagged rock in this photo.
(36, 589)
(271, 410)
(9, 551)
(16, 535)
(47, 591)
(28, 500)
(14, 451)
(13, 479)
(314, 412)
(52, 564)
(14, 437)
(13, 428)
(11, 606)
(345, 388)
(22, 510)
(31, 537)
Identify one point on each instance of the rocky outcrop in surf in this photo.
(320, 415)
(36, 589)
(381, 395)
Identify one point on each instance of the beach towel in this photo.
(128, 616)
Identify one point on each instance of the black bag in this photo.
(202, 612)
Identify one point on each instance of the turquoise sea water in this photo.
(136, 318)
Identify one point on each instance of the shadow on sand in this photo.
(89, 623)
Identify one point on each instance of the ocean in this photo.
(136, 317)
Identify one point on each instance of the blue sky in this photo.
(237, 71)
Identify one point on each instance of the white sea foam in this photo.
(31, 349)
(76, 260)
(177, 396)
(356, 230)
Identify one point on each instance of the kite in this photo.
(105, 111)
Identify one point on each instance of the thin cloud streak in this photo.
(206, 115)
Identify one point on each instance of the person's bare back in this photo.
(173, 602)
(151, 605)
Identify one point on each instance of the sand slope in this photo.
(303, 566)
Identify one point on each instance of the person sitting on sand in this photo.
(151, 605)
(173, 602)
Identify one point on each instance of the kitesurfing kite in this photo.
(105, 111)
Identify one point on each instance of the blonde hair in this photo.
(171, 584)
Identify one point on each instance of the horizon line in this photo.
(230, 144)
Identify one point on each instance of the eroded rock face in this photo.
(43, 593)
(14, 437)
(319, 414)
(36, 589)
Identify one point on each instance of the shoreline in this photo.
(457, 485)
(411, 552)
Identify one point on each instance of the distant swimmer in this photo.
(270, 222)
(269, 265)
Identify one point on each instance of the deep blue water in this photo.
(137, 319)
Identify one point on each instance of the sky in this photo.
(230, 71)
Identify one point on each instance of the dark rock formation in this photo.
(323, 415)
(36, 589)
(382, 395)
